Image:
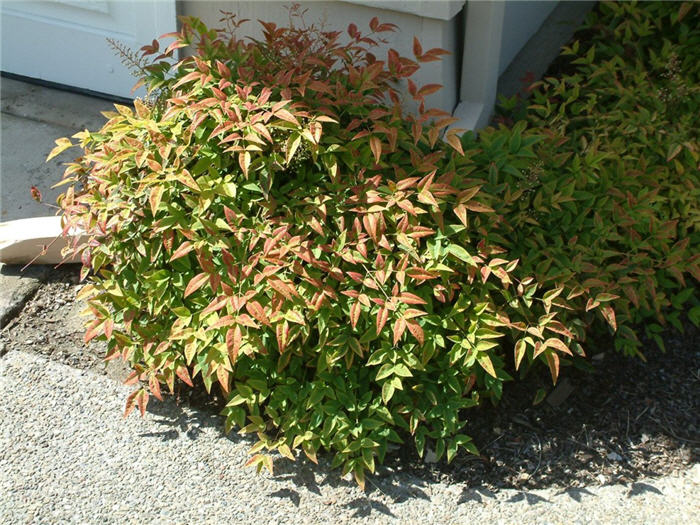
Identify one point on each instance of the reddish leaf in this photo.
(399, 328)
(429, 89)
(553, 363)
(258, 312)
(382, 316)
(558, 345)
(283, 288)
(215, 305)
(154, 385)
(108, 327)
(409, 298)
(420, 274)
(185, 248)
(355, 311)
(286, 115)
(142, 401)
(182, 372)
(375, 145)
(609, 315)
(417, 48)
(478, 207)
(195, 283)
(370, 223)
(461, 213)
(36, 194)
(453, 140)
(223, 377)
(233, 343)
(416, 331)
(185, 178)
(282, 332)
(130, 403)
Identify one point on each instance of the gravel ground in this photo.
(67, 456)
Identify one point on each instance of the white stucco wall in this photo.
(336, 15)
(521, 20)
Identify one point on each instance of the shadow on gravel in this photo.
(642, 488)
(576, 493)
(365, 506)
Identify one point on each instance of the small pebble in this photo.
(614, 456)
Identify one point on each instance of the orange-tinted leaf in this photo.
(478, 207)
(35, 193)
(142, 401)
(195, 283)
(258, 312)
(409, 298)
(382, 316)
(155, 197)
(130, 403)
(609, 315)
(453, 140)
(375, 145)
(185, 178)
(429, 89)
(215, 305)
(558, 345)
(154, 385)
(233, 343)
(461, 213)
(185, 248)
(416, 331)
(282, 331)
(283, 288)
(399, 329)
(420, 274)
(182, 372)
(417, 48)
(355, 311)
(485, 362)
(223, 377)
(553, 363)
(286, 115)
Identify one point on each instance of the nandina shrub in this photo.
(611, 204)
(271, 221)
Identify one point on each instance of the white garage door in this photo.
(64, 41)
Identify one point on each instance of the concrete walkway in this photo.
(33, 117)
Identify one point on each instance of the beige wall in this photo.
(335, 15)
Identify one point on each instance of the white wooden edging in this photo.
(21, 241)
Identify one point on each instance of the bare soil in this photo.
(623, 421)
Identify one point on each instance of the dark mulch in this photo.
(624, 421)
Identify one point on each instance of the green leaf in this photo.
(461, 254)
(387, 392)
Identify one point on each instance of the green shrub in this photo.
(611, 207)
(272, 222)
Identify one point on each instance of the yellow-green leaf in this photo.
(62, 145)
